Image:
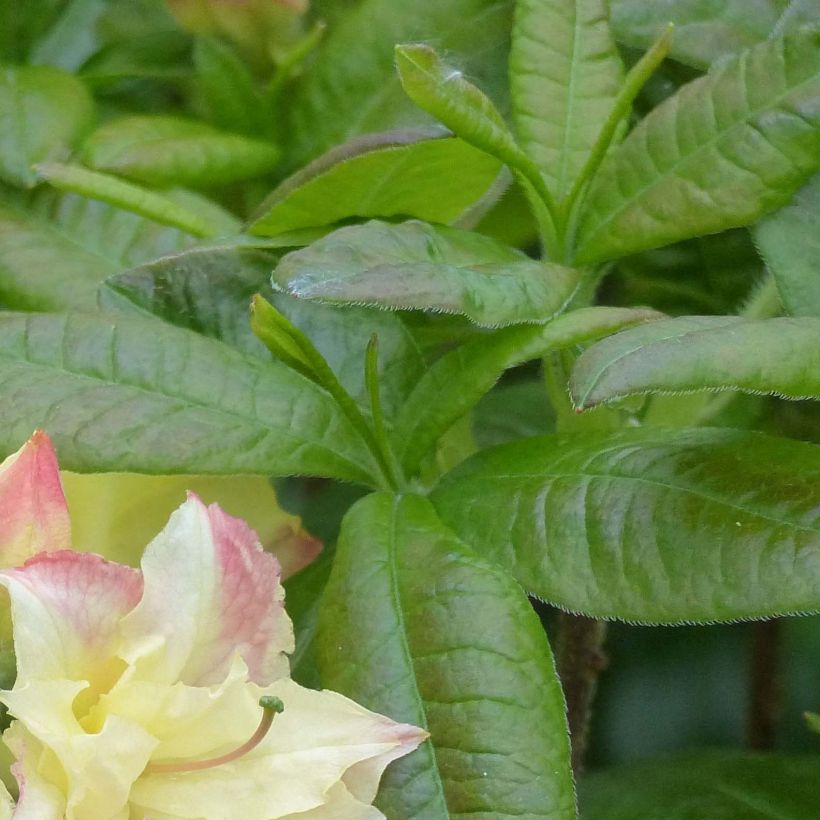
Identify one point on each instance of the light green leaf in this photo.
(457, 380)
(465, 657)
(417, 266)
(728, 785)
(43, 112)
(127, 195)
(392, 174)
(137, 395)
(720, 153)
(228, 93)
(648, 525)
(208, 289)
(565, 74)
(166, 150)
(351, 88)
(789, 242)
(442, 90)
(691, 353)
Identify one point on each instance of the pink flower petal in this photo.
(210, 592)
(66, 608)
(33, 512)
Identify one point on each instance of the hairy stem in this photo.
(764, 694)
(580, 659)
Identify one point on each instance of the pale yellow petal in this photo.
(39, 798)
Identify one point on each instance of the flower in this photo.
(128, 679)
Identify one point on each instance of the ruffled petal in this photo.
(66, 608)
(93, 772)
(210, 592)
(33, 513)
(312, 745)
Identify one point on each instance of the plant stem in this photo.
(580, 659)
(764, 694)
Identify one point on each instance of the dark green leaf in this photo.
(43, 111)
(126, 394)
(648, 525)
(709, 784)
(789, 241)
(692, 353)
(417, 266)
(393, 174)
(565, 74)
(352, 87)
(208, 289)
(165, 150)
(454, 383)
(512, 411)
(721, 153)
(415, 626)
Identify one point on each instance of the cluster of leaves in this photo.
(155, 180)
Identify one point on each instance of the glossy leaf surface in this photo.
(417, 266)
(463, 655)
(726, 785)
(565, 73)
(165, 150)
(398, 174)
(690, 353)
(43, 112)
(123, 394)
(789, 241)
(647, 525)
(456, 381)
(719, 154)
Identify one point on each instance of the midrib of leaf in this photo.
(395, 592)
(252, 419)
(653, 483)
(711, 143)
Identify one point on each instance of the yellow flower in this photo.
(138, 692)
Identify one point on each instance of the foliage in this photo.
(160, 173)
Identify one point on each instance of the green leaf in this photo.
(708, 784)
(23, 24)
(226, 86)
(417, 266)
(127, 195)
(565, 74)
(691, 353)
(442, 90)
(166, 150)
(208, 289)
(512, 411)
(465, 657)
(43, 111)
(789, 242)
(351, 88)
(707, 30)
(137, 395)
(721, 153)
(457, 380)
(392, 174)
(648, 525)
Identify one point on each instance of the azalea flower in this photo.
(165, 693)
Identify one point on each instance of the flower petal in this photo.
(93, 771)
(117, 514)
(210, 592)
(38, 799)
(318, 739)
(33, 513)
(66, 608)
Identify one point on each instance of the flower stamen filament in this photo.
(271, 706)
